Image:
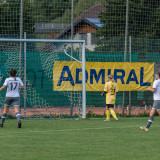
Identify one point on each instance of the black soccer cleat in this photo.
(19, 125)
(1, 125)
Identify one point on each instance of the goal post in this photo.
(46, 59)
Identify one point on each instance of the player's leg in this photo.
(151, 118)
(5, 111)
(107, 113)
(113, 112)
(112, 106)
(18, 115)
(7, 104)
(158, 108)
(17, 111)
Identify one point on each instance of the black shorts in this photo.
(110, 106)
(11, 100)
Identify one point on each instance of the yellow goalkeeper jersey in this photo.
(111, 89)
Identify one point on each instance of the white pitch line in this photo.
(77, 129)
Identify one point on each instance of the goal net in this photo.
(49, 70)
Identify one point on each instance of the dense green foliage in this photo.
(48, 10)
(144, 22)
(79, 139)
(10, 18)
(143, 18)
(79, 7)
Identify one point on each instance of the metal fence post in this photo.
(25, 78)
(130, 59)
(125, 48)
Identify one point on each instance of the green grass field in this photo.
(80, 140)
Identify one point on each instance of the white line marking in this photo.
(77, 129)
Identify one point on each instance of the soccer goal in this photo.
(53, 72)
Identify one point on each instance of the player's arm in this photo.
(115, 93)
(116, 90)
(154, 87)
(151, 89)
(21, 87)
(4, 85)
(103, 93)
(2, 88)
(105, 90)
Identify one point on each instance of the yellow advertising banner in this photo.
(130, 76)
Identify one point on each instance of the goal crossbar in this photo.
(41, 40)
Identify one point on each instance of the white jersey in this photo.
(156, 86)
(13, 84)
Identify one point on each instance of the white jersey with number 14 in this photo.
(13, 84)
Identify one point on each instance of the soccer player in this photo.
(110, 90)
(156, 103)
(13, 84)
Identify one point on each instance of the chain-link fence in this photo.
(105, 25)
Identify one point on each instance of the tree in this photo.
(143, 22)
(143, 18)
(10, 18)
(48, 10)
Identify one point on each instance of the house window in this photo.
(94, 39)
(84, 37)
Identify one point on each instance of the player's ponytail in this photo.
(112, 79)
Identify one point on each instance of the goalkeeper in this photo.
(110, 90)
